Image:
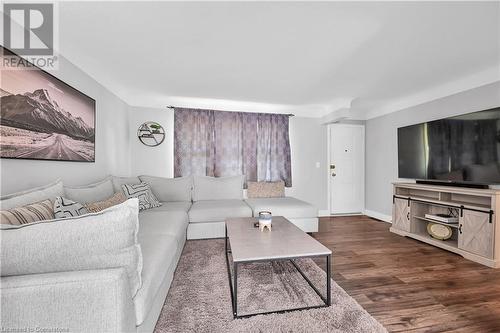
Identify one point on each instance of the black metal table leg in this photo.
(235, 298)
(328, 277)
(231, 289)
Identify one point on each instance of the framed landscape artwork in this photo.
(42, 117)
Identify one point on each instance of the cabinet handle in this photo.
(408, 216)
(460, 228)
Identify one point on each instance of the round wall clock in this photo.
(151, 134)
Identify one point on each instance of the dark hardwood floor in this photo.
(410, 286)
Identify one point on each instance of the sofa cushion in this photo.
(97, 206)
(158, 255)
(157, 222)
(142, 191)
(119, 181)
(64, 208)
(218, 210)
(91, 192)
(37, 211)
(266, 189)
(182, 206)
(287, 206)
(100, 240)
(220, 188)
(37, 194)
(170, 189)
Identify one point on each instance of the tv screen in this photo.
(465, 148)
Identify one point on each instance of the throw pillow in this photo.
(64, 208)
(170, 189)
(91, 192)
(34, 212)
(107, 239)
(30, 196)
(119, 181)
(266, 189)
(116, 199)
(142, 192)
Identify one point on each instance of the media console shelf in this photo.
(475, 237)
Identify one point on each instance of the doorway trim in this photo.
(328, 145)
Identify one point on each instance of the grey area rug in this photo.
(199, 299)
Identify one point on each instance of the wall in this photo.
(112, 142)
(381, 140)
(307, 141)
(154, 161)
(308, 144)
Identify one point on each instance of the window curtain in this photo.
(218, 143)
(194, 149)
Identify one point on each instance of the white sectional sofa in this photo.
(191, 209)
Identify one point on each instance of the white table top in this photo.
(286, 240)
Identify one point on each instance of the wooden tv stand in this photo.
(476, 236)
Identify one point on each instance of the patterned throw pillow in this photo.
(64, 208)
(116, 199)
(142, 192)
(266, 189)
(38, 211)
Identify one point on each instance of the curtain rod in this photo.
(173, 107)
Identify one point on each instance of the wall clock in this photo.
(151, 134)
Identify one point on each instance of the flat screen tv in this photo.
(462, 150)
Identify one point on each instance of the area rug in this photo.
(199, 299)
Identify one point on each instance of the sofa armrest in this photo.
(78, 301)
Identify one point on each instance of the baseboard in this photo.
(378, 216)
(323, 213)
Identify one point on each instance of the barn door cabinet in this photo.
(476, 236)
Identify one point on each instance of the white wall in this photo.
(112, 142)
(381, 138)
(154, 161)
(307, 141)
(308, 144)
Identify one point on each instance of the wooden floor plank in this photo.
(407, 285)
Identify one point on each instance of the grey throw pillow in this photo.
(142, 192)
(91, 192)
(64, 208)
(36, 194)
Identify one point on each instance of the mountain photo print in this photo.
(42, 117)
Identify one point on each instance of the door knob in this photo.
(332, 166)
(333, 174)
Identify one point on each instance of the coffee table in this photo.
(286, 241)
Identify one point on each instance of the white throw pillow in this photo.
(37, 194)
(142, 192)
(107, 239)
(64, 208)
(220, 188)
(119, 181)
(170, 189)
(91, 192)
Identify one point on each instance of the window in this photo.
(218, 143)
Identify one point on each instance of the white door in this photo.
(347, 168)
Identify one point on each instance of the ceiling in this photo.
(308, 58)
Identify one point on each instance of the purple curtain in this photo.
(273, 149)
(194, 148)
(218, 143)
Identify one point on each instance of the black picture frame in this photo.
(68, 88)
